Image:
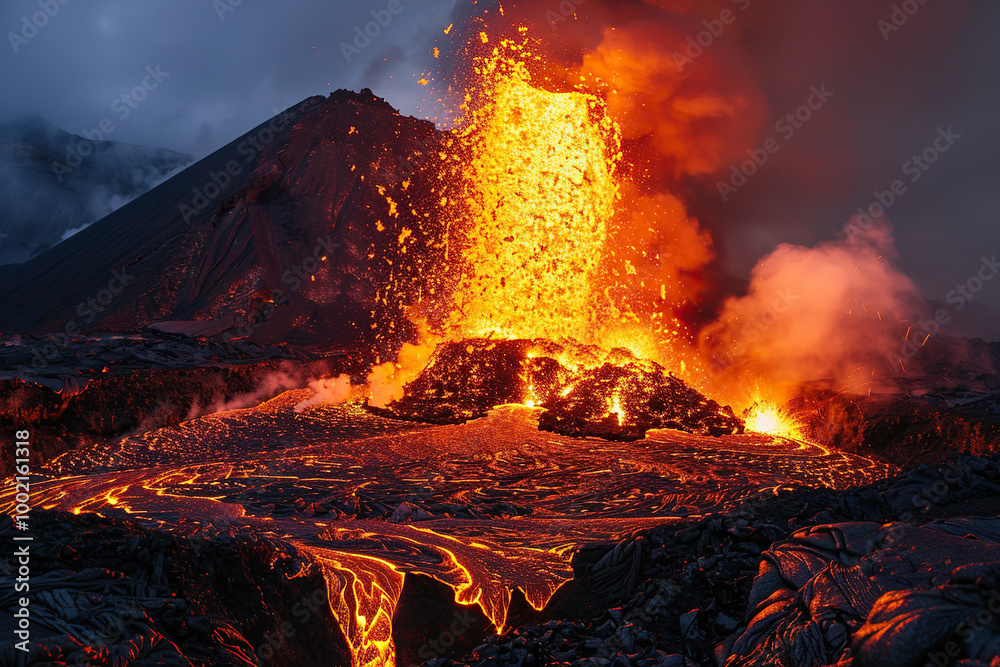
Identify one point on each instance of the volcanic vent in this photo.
(585, 392)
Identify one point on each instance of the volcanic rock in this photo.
(959, 618)
(107, 592)
(860, 590)
(947, 402)
(620, 398)
(643, 396)
(872, 593)
(463, 381)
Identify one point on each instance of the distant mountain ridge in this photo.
(974, 320)
(293, 232)
(52, 181)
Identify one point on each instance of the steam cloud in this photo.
(328, 391)
(826, 313)
(384, 382)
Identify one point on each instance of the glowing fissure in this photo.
(363, 593)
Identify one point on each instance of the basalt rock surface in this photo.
(464, 381)
(894, 574)
(799, 578)
(947, 401)
(78, 392)
(107, 592)
(647, 398)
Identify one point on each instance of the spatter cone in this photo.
(584, 391)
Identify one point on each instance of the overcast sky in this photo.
(228, 66)
(227, 71)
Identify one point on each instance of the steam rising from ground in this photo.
(268, 387)
(328, 391)
(829, 312)
(385, 381)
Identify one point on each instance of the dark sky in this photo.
(226, 74)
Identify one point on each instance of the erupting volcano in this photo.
(477, 393)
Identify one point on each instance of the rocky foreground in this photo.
(900, 573)
(891, 575)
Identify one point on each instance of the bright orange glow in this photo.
(548, 248)
(767, 418)
(363, 593)
(616, 409)
(385, 381)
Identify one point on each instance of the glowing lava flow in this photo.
(363, 593)
(576, 493)
(481, 571)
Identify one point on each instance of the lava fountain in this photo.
(541, 188)
(534, 180)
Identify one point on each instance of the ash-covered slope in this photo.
(52, 181)
(288, 233)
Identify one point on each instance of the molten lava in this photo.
(541, 187)
(363, 593)
(766, 417)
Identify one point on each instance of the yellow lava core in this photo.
(541, 189)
